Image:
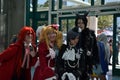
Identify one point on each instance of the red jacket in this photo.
(43, 71)
(11, 62)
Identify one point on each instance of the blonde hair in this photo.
(44, 35)
(59, 39)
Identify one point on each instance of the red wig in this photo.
(24, 31)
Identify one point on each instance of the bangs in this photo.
(26, 30)
(50, 29)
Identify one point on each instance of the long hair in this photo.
(83, 17)
(23, 32)
(59, 38)
(44, 35)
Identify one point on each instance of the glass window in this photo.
(40, 23)
(71, 24)
(55, 5)
(75, 3)
(117, 59)
(31, 6)
(64, 26)
(42, 5)
(109, 2)
(97, 2)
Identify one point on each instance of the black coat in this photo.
(89, 43)
(62, 65)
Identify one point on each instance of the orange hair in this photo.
(24, 31)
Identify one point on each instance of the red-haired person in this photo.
(50, 41)
(17, 59)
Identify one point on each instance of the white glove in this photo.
(64, 75)
(88, 53)
(77, 56)
(71, 76)
(51, 53)
(79, 30)
(51, 78)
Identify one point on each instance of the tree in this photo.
(46, 4)
(105, 21)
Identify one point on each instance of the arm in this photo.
(95, 50)
(33, 55)
(60, 62)
(8, 53)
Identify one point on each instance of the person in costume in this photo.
(87, 41)
(17, 59)
(50, 42)
(70, 62)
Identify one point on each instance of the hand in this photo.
(64, 75)
(51, 78)
(71, 76)
(78, 56)
(51, 53)
(88, 53)
(32, 51)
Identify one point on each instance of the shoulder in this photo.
(63, 47)
(15, 45)
(42, 45)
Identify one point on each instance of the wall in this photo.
(15, 12)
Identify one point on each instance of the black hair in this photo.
(83, 17)
(71, 35)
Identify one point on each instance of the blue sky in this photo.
(41, 1)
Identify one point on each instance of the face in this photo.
(28, 38)
(74, 41)
(52, 36)
(81, 24)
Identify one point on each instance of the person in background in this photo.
(70, 62)
(13, 39)
(48, 48)
(17, 59)
(111, 50)
(104, 53)
(87, 41)
(38, 31)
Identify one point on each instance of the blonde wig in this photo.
(44, 35)
(59, 39)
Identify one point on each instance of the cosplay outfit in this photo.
(71, 64)
(12, 61)
(47, 50)
(87, 42)
(46, 68)
(16, 61)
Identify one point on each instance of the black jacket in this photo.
(89, 43)
(62, 65)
